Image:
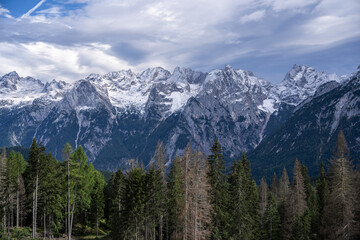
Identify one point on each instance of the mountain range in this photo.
(122, 115)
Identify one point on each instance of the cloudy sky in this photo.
(69, 39)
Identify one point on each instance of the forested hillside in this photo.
(196, 198)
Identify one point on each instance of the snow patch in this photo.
(268, 106)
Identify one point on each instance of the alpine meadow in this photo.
(179, 120)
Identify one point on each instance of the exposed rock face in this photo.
(310, 132)
(122, 115)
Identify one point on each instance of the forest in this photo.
(195, 197)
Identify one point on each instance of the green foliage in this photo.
(271, 220)
(133, 204)
(219, 195)
(301, 227)
(20, 233)
(244, 202)
(175, 198)
(114, 197)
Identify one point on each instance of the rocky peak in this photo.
(156, 74)
(301, 82)
(10, 81)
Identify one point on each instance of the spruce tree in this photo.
(116, 192)
(271, 219)
(154, 190)
(160, 160)
(321, 195)
(51, 194)
(175, 200)
(296, 206)
(244, 202)
(97, 200)
(252, 199)
(32, 179)
(19, 169)
(219, 195)
(133, 204)
(339, 205)
(263, 199)
(274, 187)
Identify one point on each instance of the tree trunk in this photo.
(4, 220)
(186, 198)
(97, 224)
(72, 212)
(35, 199)
(68, 217)
(161, 228)
(44, 224)
(18, 203)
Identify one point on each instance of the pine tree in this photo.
(339, 206)
(199, 202)
(7, 190)
(263, 199)
(19, 169)
(271, 219)
(116, 192)
(97, 200)
(160, 160)
(154, 190)
(175, 200)
(296, 206)
(244, 202)
(282, 198)
(51, 192)
(133, 204)
(312, 203)
(252, 199)
(322, 194)
(219, 195)
(32, 173)
(274, 187)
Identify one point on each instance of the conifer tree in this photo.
(339, 206)
(274, 187)
(133, 203)
(312, 203)
(239, 214)
(19, 169)
(51, 192)
(97, 200)
(32, 176)
(175, 200)
(219, 195)
(322, 194)
(154, 190)
(271, 219)
(252, 198)
(244, 202)
(296, 206)
(116, 191)
(263, 199)
(7, 190)
(160, 160)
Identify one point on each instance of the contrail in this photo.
(33, 9)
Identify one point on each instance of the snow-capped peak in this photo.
(301, 82)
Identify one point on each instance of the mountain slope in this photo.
(122, 114)
(310, 132)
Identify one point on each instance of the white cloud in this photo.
(48, 61)
(27, 14)
(5, 12)
(253, 17)
(141, 33)
(281, 5)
